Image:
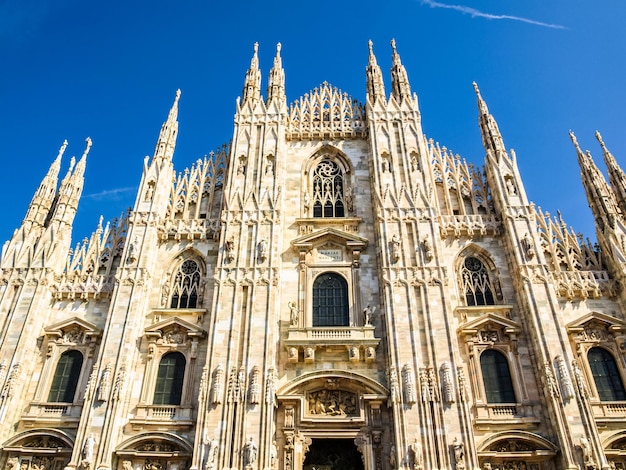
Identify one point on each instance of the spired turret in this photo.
(252, 85)
(400, 87)
(617, 177)
(156, 181)
(375, 84)
(44, 237)
(66, 203)
(492, 139)
(276, 84)
(39, 209)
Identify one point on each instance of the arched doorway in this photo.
(333, 454)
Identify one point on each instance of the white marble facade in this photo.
(332, 290)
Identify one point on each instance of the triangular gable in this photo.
(592, 319)
(329, 234)
(176, 328)
(72, 329)
(490, 320)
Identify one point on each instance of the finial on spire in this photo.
(87, 147)
(278, 48)
(62, 149)
(599, 137)
(482, 106)
(572, 136)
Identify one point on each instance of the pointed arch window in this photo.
(186, 285)
(65, 379)
(169, 384)
(476, 282)
(606, 375)
(328, 190)
(330, 301)
(496, 377)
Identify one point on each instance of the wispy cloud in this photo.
(474, 13)
(110, 194)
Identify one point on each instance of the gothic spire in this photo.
(276, 85)
(492, 139)
(169, 131)
(400, 88)
(252, 84)
(44, 197)
(68, 196)
(599, 195)
(617, 177)
(375, 84)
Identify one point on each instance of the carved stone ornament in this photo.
(408, 383)
(335, 403)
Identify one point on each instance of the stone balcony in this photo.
(40, 414)
(359, 342)
(158, 415)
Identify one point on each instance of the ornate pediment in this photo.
(595, 327)
(173, 331)
(74, 330)
(491, 327)
(329, 235)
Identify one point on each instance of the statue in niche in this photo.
(428, 248)
(527, 246)
(392, 458)
(262, 250)
(510, 187)
(414, 163)
(229, 247)
(367, 315)
(241, 168)
(385, 165)
(87, 452)
(294, 314)
(307, 200)
(269, 167)
(250, 452)
(349, 198)
(416, 453)
(459, 453)
(395, 248)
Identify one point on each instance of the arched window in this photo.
(328, 190)
(65, 377)
(169, 383)
(185, 288)
(330, 301)
(476, 282)
(606, 375)
(496, 377)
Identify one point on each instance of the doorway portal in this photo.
(333, 454)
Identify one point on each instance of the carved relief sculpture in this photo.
(255, 386)
(217, 388)
(408, 382)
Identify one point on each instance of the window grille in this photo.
(606, 375)
(496, 377)
(330, 301)
(65, 379)
(169, 383)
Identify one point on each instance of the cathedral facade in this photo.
(332, 290)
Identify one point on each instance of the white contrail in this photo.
(109, 193)
(474, 13)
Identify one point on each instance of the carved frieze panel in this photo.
(327, 403)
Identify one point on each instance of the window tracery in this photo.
(186, 286)
(328, 190)
(477, 283)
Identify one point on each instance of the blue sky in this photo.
(109, 70)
